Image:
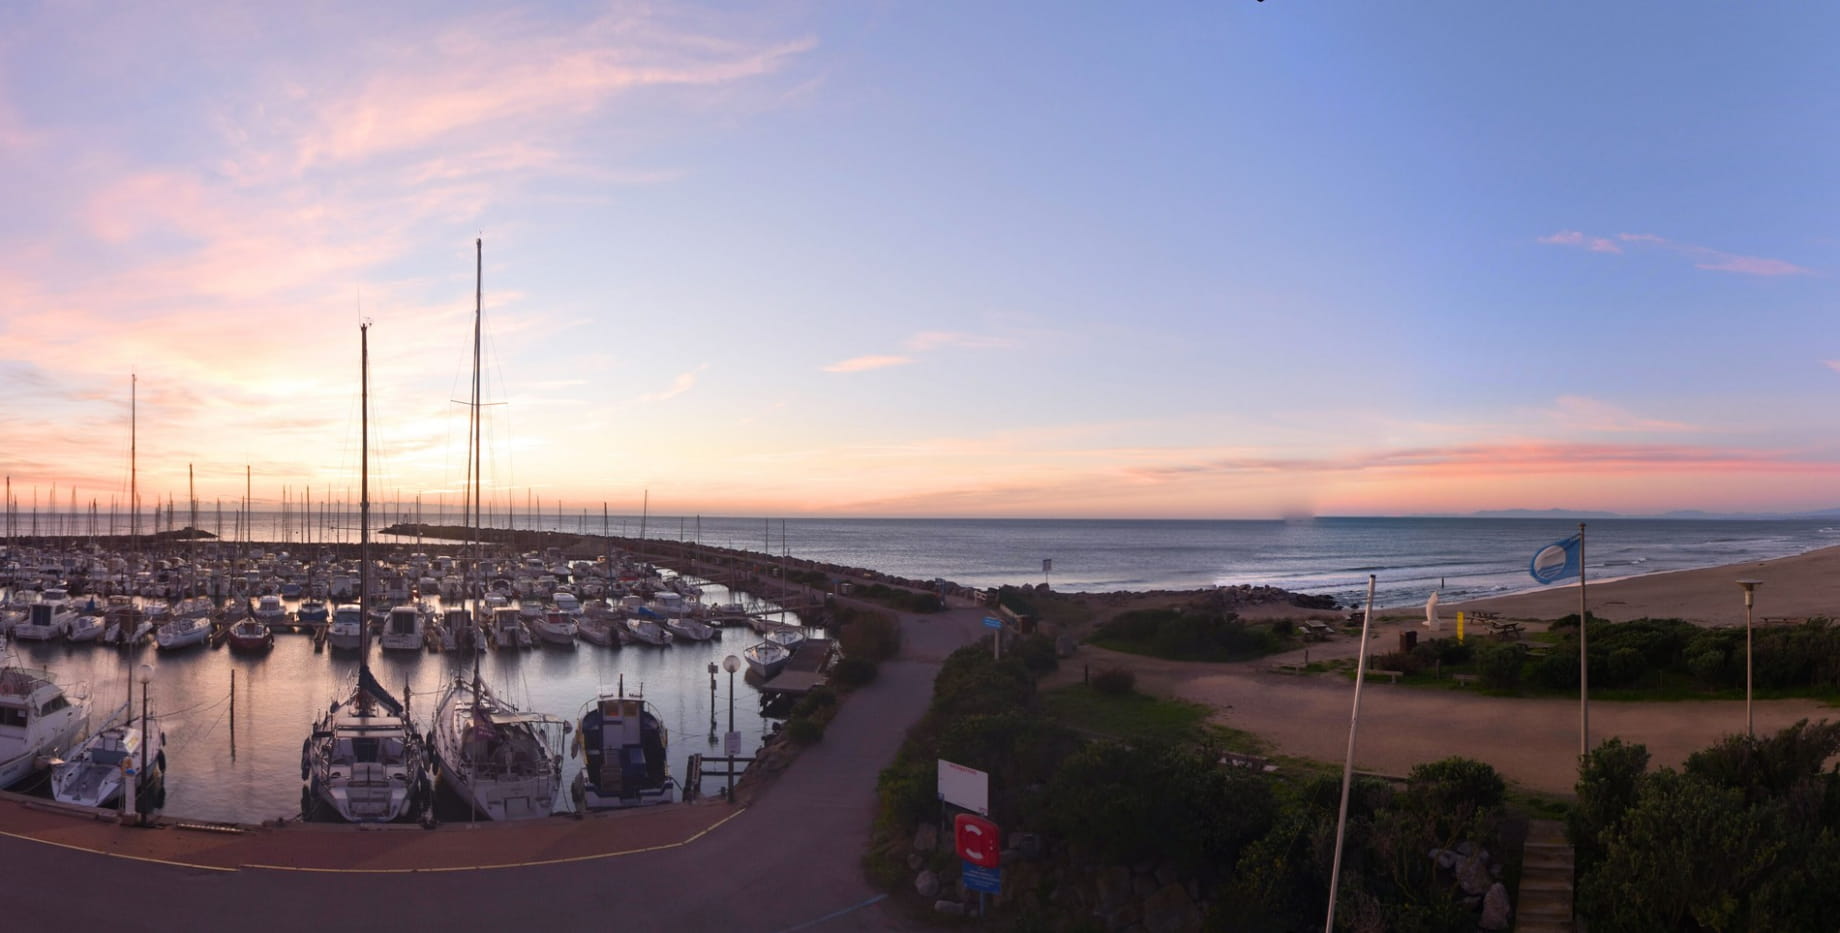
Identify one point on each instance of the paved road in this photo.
(791, 860)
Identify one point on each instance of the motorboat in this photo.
(39, 721)
(766, 659)
(182, 632)
(345, 631)
(44, 621)
(623, 745)
(312, 612)
(403, 630)
(270, 611)
(647, 630)
(251, 634)
(88, 627)
(555, 628)
(688, 629)
(97, 769)
(508, 629)
(600, 628)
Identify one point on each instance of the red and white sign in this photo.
(978, 840)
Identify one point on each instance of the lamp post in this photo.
(1750, 597)
(712, 702)
(731, 664)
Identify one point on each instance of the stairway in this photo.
(1546, 880)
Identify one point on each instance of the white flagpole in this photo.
(1354, 722)
(1584, 672)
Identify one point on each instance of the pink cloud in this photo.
(1595, 244)
(861, 364)
(1589, 414)
(940, 339)
(1712, 260)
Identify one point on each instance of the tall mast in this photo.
(364, 498)
(134, 496)
(475, 466)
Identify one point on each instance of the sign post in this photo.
(979, 844)
(967, 788)
(997, 636)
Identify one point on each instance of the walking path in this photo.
(789, 860)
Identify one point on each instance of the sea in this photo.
(249, 771)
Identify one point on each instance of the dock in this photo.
(807, 669)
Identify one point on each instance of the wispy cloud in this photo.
(926, 341)
(862, 364)
(1576, 412)
(943, 339)
(684, 382)
(1704, 257)
(1595, 244)
(1832, 364)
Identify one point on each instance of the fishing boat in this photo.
(39, 721)
(345, 632)
(766, 659)
(96, 771)
(623, 745)
(364, 762)
(251, 635)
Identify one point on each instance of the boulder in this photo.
(951, 908)
(914, 861)
(926, 838)
(1114, 888)
(1495, 908)
(927, 883)
(1171, 910)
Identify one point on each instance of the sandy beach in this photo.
(1795, 587)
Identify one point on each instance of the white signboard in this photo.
(734, 744)
(964, 787)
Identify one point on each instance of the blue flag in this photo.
(1556, 561)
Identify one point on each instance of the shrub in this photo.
(820, 698)
(1500, 665)
(1114, 681)
(1457, 781)
(854, 672)
(1037, 653)
(1624, 666)
(1284, 628)
(804, 731)
(869, 634)
(1405, 662)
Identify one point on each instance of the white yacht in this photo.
(270, 611)
(39, 720)
(182, 632)
(555, 628)
(44, 621)
(344, 631)
(403, 631)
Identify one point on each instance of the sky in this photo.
(1221, 259)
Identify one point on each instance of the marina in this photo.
(232, 720)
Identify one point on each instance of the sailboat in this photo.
(504, 762)
(364, 760)
(96, 772)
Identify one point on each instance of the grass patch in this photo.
(1137, 716)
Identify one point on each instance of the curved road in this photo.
(791, 860)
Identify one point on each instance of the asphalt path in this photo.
(791, 860)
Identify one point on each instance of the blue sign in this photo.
(992, 623)
(987, 880)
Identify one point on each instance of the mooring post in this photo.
(233, 714)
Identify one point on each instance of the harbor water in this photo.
(252, 773)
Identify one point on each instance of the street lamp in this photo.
(1750, 597)
(731, 664)
(712, 702)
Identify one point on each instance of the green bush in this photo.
(820, 698)
(1500, 665)
(1454, 782)
(868, 634)
(1114, 681)
(1190, 635)
(1624, 667)
(804, 731)
(854, 672)
(1037, 653)
(1405, 662)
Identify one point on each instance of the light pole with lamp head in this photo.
(1750, 597)
(731, 664)
(712, 702)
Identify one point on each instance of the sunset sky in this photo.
(1213, 260)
